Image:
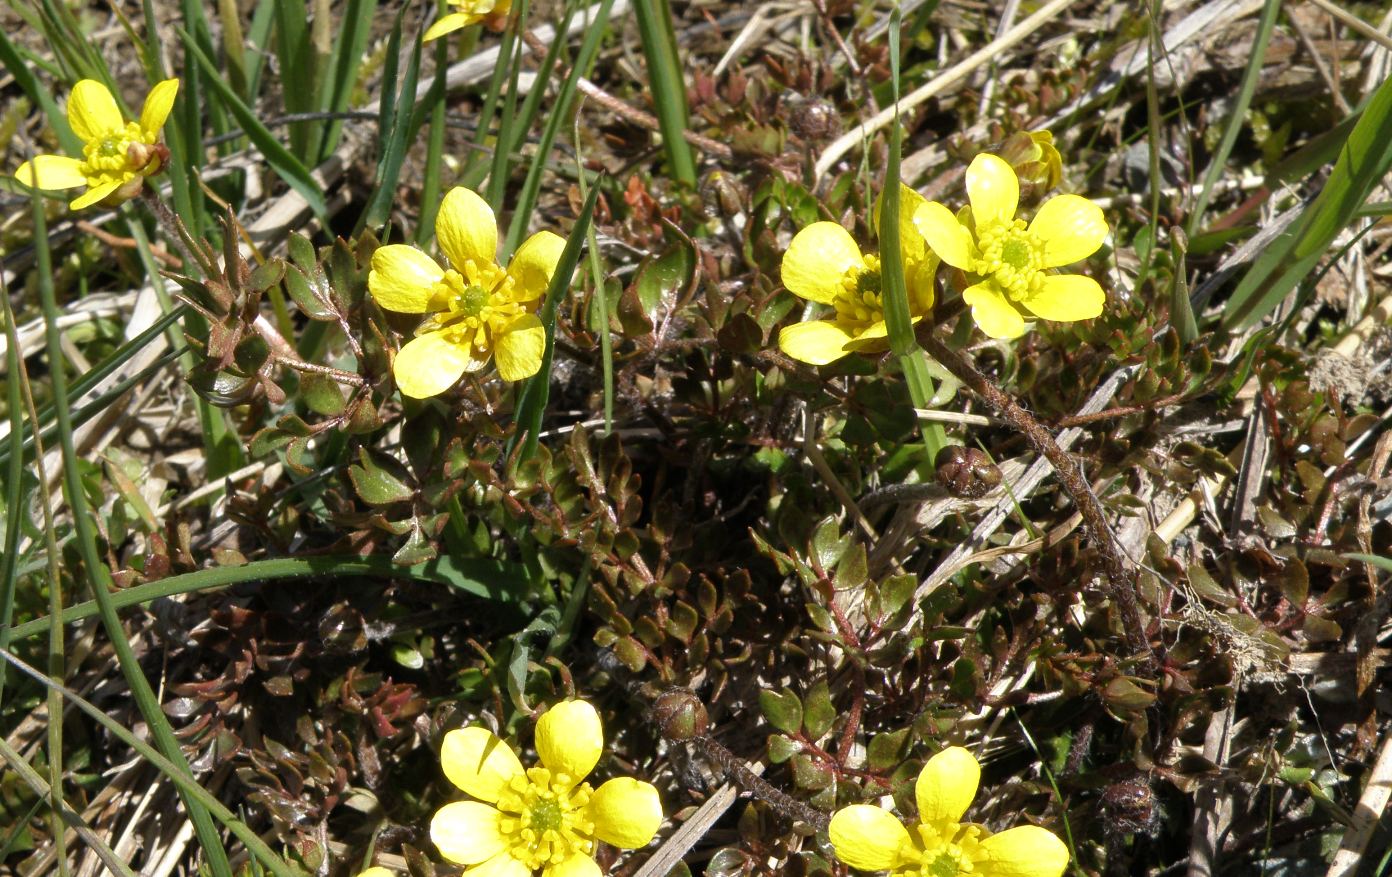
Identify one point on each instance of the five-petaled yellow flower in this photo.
(477, 309)
(823, 264)
(940, 845)
(544, 818)
(470, 12)
(117, 155)
(1008, 262)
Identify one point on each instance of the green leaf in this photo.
(783, 711)
(818, 712)
(886, 750)
(322, 394)
(781, 748)
(375, 484)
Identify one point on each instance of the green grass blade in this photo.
(14, 471)
(498, 581)
(234, 47)
(434, 149)
(560, 113)
(501, 167)
(514, 133)
(394, 134)
(187, 786)
(31, 778)
(532, 406)
(1237, 118)
(1363, 160)
(29, 84)
(97, 575)
(898, 320)
(299, 63)
(285, 164)
(601, 299)
(259, 38)
(348, 48)
(471, 174)
(668, 87)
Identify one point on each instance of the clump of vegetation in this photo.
(646, 439)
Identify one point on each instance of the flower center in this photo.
(473, 306)
(944, 865)
(109, 156)
(472, 301)
(544, 819)
(1012, 257)
(546, 815)
(860, 303)
(942, 850)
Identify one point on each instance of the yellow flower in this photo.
(478, 309)
(823, 264)
(118, 155)
(940, 845)
(470, 12)
(544, 818)
(1008, 261)
(377, 871)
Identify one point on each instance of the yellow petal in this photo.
(1067, 297)
(818, 259)
(626, 813)
(993, 189)
(873, 339)
(867, 837)
(448, 24)
(946, 785)
(402, 278)
(467, 832)
(1071, 229)
(912, 246)
(944, 234)
(920, 279)
(533, 265)
(501, 865)
(428, 365)
(1024, 851)
(157, 107)
(466, 229)
(815, 341)
(478, 762)
(376, 871)
(570, 737)
(520, 347)
(95, 194)
(996, 316)
(51, 172)
(578, 865)
(92, 111)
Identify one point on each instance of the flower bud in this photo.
(1035, 158)
(680, 715)
(966, 472)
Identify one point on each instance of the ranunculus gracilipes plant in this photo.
(117, 155)
(544, 818)
(823, 264)
(478, 310)
(1008, 263)
(940, 844)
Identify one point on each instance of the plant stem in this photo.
(1121, 580)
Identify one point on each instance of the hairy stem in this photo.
(1121, 579)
